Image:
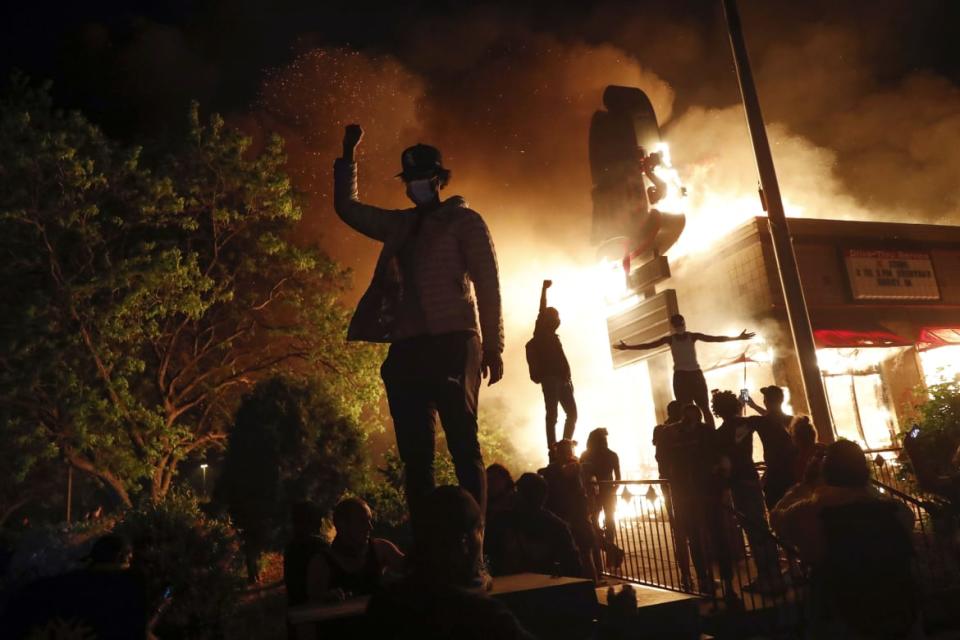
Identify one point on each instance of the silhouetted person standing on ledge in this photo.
(689, 385)
(435, 255)
(550, 369)
(601, 462)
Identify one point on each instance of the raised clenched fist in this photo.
(352, 135)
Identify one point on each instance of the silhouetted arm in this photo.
(543, 294)
(706, 337)
(753, 405)
(643, 346)
(616, 467)
(371, 221)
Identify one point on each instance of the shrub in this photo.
(176, 545)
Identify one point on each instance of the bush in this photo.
(291, 441)
(176, 545)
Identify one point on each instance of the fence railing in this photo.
(936, 539)
(707, 548)
(886, 468)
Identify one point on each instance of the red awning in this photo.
(849, 338)
(932, 337)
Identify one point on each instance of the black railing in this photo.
(737, 565)
(886, 467)
(936, 528)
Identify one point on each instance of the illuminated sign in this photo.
(891, 275)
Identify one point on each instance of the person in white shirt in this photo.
(689, 385)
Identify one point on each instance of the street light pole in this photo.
(780, 233)
(203, 469)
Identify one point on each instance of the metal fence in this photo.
(936, 526)
(887, 468)
(707, 549)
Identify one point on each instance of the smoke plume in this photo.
(509, 106)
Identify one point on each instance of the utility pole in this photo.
(780, 233)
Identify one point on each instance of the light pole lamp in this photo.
(203, 469)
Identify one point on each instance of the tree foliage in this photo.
(290, 442)
(149, 289)
(939, 421)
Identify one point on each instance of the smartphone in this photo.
(744, 395)
(914, 433)
(168, 592)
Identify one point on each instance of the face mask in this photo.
(421, 191)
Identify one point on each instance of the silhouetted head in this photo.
(499, 481)
(597, 440)
(726, 405)
(674, 411)
(305, 518)
(423, 173)
(532, 489)
(563, 451)
(772, 398)
(844, 465)
(677, 323)
(803, 432)
(353, 520)
(692, 413)
(110, 550)
(449, 536)
(548, 321)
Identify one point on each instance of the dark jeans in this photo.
(426, 376)
(608, 500)
(776, 483)
(558, 391)
(691, 386)
(748, 500)
(698, 522)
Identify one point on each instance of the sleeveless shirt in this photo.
(684, 351)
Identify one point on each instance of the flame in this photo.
(584, 291)
(675, 199)
(941, 364)
(847, 361)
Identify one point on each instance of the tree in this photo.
(290, 442)
(28, 466)
(939, 421)
(148, 291)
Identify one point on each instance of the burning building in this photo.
(883, 299)
(884, 310)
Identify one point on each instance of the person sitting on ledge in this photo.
(355, 563)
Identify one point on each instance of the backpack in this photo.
(533, 361)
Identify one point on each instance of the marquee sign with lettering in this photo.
(891, 275)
